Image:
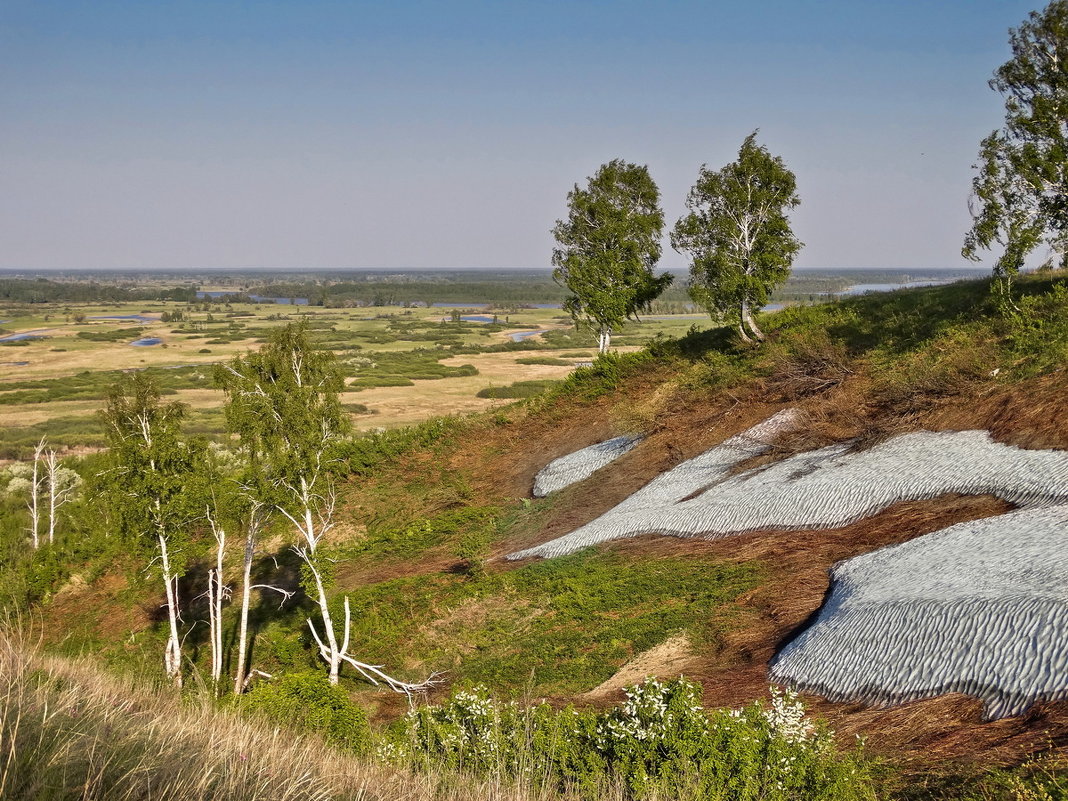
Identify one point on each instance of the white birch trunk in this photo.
(52, 489)
(747, 320)
(34, 503)
(172, 655)
(742, 315)
(246, 594)
(748, 315)
(604, 339)
(331, 652)
(216, 592)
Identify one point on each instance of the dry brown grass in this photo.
(394, 406)
(69, 731)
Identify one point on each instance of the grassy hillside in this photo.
(429, 511)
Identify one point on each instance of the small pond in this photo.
(35, 334)
(519, 336)
(146, 342)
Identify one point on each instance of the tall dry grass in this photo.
(70, 731)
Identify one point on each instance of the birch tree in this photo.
(1019, 196)
(283, 403)
(608, 247)
(217, 592)
(255, 516)
(738, 235)
(60, 483)
(152, 485)
(33, 503)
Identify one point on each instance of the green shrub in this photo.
(549, 360)
(308, 701)
(607, 372)
(380, 381)
(116, 335)
(660, 743)
(519, 389)
(367, 453)
(1038, 332)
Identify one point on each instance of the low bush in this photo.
(380, 381)
(608, 371)
(805, 362)
(367, 453)
(308, 702)
(116, 335)
(659, 743)
(548, 360)
(519, 389)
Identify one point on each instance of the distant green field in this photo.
(406, 364)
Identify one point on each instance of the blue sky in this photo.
(310, 134)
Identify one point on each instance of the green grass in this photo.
(116, 335)
(550, 360)
(520, 389)
(559, 626)
(401, 368)
(94, 385)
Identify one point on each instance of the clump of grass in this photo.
(519, 389)
(401, 368)
(549, 360)
(115, 335)
(806, 362)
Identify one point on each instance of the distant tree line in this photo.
(42, 290)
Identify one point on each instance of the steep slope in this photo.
(430, 515)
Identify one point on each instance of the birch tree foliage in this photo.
(282, 401)
(738, 235)
(1020, 189)
(608, 247)
(153, 485)
(153, 475)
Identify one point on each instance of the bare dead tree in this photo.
(314, 522)
(33, 503)
(59, 491)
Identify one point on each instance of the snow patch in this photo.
(580, 465)
(978, 608)
(826, 488)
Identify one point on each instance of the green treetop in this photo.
(1020, 190)
(608, 247)
(738, 234)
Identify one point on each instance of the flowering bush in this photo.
(660, 741)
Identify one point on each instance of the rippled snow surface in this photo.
(825, 488)
(978, 608)
(575, 467)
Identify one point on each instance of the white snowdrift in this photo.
(978, 608)
(820, 489)
(580, 465)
